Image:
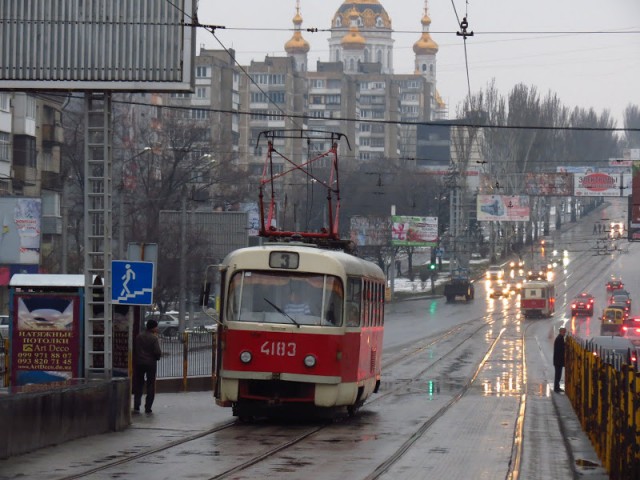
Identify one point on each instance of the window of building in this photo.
(333, 99)
(338, 22)
(202, 92)
(180, 95)
(317, 83)
(199, 114)
(364, 141)
(379, 22)
(50, 203)
(317, 99)
(5, 147)
(365, 127)
(332, 83)
(377, 114)
(5, 101)
(377, 128)
(377, 142)
(203, 72)
(31, 107)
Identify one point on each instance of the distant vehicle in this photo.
(582, 304)
(547, 242)
(495, 272)
(459, 285)
(616, 230)
(536, 275)
(538, 298)
(499, 289)
(612, 321)
(516, 283)
(614, 284)
(612, 348)
(631, 329)
(620, 296)
(168, 322)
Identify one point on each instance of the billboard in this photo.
(130, 45)
(548, 184)
(45, 338)
(601, 184)
(414, 231)
(503, 208)
(20, 234)
(366, 231)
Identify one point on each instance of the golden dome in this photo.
(373, 14)
(297, 44)
(425, 45)
(353, 39)
(439, 100)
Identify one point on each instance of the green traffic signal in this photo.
(432, 266)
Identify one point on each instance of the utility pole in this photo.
(183, 263)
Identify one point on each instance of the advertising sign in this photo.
(503, 208)
(20, 234)
(414, 231)
(549, 184)
(366, 231)
(601, 184)
(45, 341)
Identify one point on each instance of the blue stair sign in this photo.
(132, 283)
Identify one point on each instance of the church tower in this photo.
(297, 47)
(426, 50)
(361, 31)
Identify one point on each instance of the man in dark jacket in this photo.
(558, 359)
(146, 353)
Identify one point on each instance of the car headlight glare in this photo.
(310, 361)
(245, 357)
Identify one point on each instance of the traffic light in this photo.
(432, 266)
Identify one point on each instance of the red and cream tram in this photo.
(538, 299)
(322, 351)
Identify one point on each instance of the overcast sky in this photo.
(599, 70)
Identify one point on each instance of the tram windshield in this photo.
(279, 297)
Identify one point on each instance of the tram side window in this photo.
(333, 304)
(354, 293)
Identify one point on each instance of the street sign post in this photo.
(132, 283)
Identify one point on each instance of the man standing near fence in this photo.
(146, 353)
(558, 359)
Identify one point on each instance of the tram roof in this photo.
(350, 263)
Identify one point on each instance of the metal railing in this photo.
(604, 390)
(189, 355)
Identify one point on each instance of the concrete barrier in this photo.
(37, 416)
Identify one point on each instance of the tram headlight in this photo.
(310, 361)
(245, 357)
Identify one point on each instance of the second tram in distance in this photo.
(301, 329)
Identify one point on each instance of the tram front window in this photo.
(273, 297)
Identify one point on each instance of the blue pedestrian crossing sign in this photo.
(131, 283)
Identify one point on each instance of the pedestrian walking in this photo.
(146, 353)
(558, 359)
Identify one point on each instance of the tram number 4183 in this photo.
(279, 349)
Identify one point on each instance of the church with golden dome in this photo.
(355, 91)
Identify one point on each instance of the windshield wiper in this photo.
(281, 312)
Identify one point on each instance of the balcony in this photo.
(51, 180)
(52, 135)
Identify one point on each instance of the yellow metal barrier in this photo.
(607, 402)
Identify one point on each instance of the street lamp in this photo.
(122, 195)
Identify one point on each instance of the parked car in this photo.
(168, 322)
(611, 347)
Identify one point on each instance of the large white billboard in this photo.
(20, 235)
(503, 208)
(600, 184)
